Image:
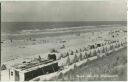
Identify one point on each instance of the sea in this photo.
(15, 27)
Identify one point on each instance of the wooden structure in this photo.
(27, 71)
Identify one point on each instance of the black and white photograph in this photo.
(64, 40)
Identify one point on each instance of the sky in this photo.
(44, 11)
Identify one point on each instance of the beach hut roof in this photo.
(3, 67)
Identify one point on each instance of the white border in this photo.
(77, 0)
(61, 0)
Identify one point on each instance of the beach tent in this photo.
(77, 51)
(93, 52)
(114, 45)
(64, 55)
(80, 57)
(76, 59)
(64, 61)
(3, 67)
(103, 49)
(108, 47)
(111, 46)
(99, 49)
(83, 54)
(119, 44)
(71, 53)
(72, 59)
(88, 53)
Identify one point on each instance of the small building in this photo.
(29, 70)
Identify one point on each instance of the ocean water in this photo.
(12, 30)
(15, 27)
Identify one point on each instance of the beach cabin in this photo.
(64, 61)
(27, 71)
